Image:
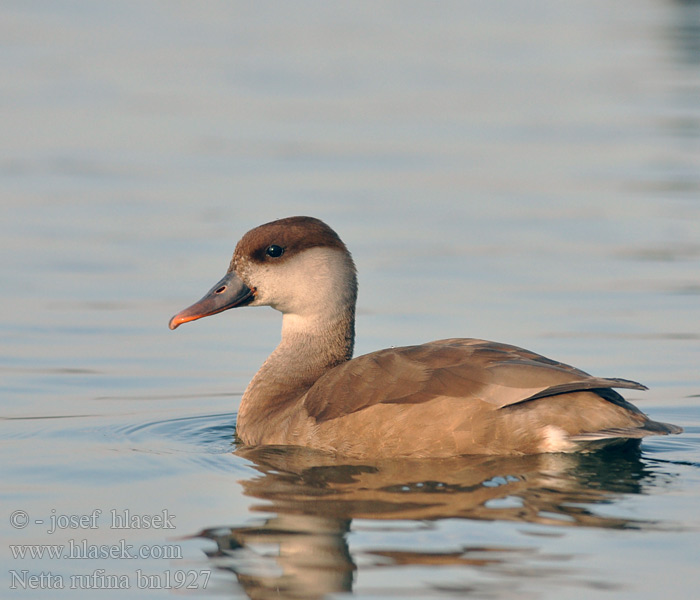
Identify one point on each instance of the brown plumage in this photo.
(444, 398)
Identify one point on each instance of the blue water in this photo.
(527, 173)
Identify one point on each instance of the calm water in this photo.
(524, 172)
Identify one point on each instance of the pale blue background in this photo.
(527, 172)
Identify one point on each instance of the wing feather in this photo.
(475, 370)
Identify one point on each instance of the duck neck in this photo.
(308, 349)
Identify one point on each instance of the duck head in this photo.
(296, 265)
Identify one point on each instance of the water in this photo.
(528, 173)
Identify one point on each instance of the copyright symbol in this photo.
(19, 519)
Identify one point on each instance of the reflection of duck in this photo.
(302, 481)
(302, 552)
(445, 398)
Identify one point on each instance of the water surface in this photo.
(528, 173)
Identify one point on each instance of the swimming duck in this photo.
(441, 399)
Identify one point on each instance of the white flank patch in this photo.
(555, 439)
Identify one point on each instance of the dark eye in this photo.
(274, 251)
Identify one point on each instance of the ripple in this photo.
(209, 434)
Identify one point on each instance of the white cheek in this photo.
(316, 281)
(261, 282)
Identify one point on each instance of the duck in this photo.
(441, 399)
